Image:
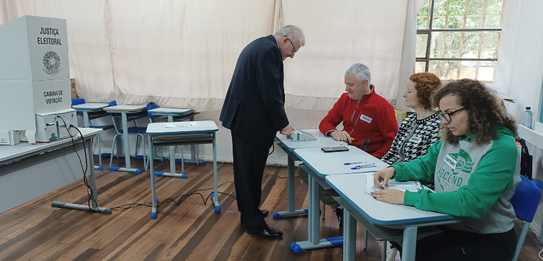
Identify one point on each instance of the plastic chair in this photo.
(525, 202)
(539, 185)
(149, 107)
(135, 130)
(103, 127)
(520, 144)
(78, 101)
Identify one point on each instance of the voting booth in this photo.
(35, 80)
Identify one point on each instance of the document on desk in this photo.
(393, 184)
(181, 124)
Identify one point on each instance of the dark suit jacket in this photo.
(254, 105)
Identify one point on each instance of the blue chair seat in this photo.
(149, 107)
(78, 101)
(539, 185)
(525, 202)
(135, 130)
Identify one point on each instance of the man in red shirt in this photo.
(369, 122)
(364, 114)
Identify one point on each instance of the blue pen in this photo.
(352, 163)
(367, 165)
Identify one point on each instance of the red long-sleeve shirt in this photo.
(374, 119)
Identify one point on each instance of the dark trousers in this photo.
(456, 245)
(249, 164)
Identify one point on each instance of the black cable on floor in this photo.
(182, 198)
(90, 192)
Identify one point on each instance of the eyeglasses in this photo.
(447, 116)
(293, 46)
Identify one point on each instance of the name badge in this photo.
(415, 139)
(450, 161)
(365, 118)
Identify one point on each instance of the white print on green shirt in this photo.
(451, 178)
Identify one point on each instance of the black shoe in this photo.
(339, 214)
(268, 232)
(265, 212)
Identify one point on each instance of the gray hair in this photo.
(292, 32)
(362, 72)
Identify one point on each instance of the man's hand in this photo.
(383, 176)
(341, 136)
(287, 131)
(393, 196)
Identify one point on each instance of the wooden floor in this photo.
(189, 231)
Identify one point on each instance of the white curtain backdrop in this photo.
(339, 34)
(182, 53)
(409, 51)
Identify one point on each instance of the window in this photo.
(459, 38)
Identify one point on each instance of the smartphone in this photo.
(334, 149)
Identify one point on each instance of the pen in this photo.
(367, 165)
(352, 163)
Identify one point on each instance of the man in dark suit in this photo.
(254, 111)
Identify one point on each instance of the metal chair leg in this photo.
(113, 150)
(99, 149)
(137, 145)
(365, 239)
(384, 251)
(145, 159)
(323, 210)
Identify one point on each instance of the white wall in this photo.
(520, 68)
(520, 65)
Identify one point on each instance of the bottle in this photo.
(527, 118)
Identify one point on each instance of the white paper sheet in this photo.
(393, 184)
(181, 124)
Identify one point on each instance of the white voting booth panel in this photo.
(35, 76)
(34, 48)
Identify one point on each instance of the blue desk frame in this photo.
(289, 146)
(318, 166)
(88, 133)
(171, 112)
(124, 110)
(156, 131)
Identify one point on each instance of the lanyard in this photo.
(358, 118)
(410, 132)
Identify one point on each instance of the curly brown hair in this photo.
(485, 111)
(426, 85)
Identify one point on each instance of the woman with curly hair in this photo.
(475, 167)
